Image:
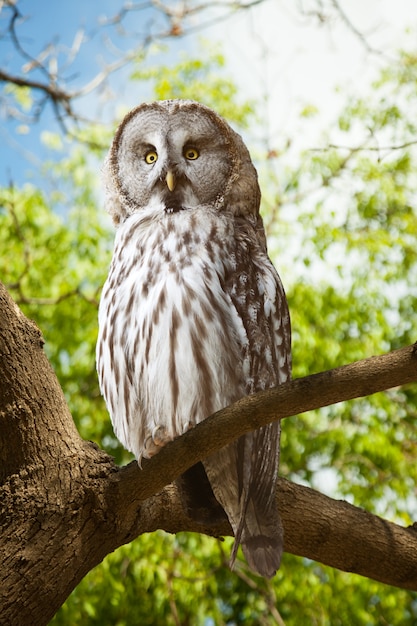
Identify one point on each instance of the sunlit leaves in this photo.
(21, 95)
(203, 79)
(342, 226)
(358, 296)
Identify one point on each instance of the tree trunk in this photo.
(64, 505)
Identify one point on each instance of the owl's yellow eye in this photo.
(191, 154)
(151, 157)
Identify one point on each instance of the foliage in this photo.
(201, 79)
(345, 232)
(361, 219)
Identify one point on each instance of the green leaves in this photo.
(21, 95)
(202, 79)
(342, 227)
(357, 295)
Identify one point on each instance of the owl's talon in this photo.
(149, 448)
(156, 441)
(160, 436)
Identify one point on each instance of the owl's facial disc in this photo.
(172, 161)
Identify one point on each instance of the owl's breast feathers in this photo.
(170, 340)
(193, 317)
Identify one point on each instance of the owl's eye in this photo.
(151, 157)
(191, 154)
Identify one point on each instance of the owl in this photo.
(193, 315)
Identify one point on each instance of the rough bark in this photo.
(64, 504)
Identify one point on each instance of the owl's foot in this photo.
(156, 441)
(198, 497)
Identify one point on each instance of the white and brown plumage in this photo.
(193, 315)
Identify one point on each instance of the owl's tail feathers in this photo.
(262, 544)
(263, 554)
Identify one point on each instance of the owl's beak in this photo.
(170, 180)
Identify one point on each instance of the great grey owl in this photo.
(193, 315)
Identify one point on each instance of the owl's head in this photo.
(175, 155)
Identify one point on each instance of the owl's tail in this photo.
(243, 477)
(261, 541)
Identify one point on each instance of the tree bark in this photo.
(64, 504)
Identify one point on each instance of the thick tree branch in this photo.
(356, 541)
(64, 505)
(320, 528)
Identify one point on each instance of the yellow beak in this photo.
(170, 180)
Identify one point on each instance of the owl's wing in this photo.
(243, 475)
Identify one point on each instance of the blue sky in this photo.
(274, 54)
(57, 23)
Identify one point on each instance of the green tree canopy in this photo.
(342, 232)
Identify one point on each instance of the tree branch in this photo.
(355, 380)
(64, 505)
(178, 21)
(355, 31)
(51, 90)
